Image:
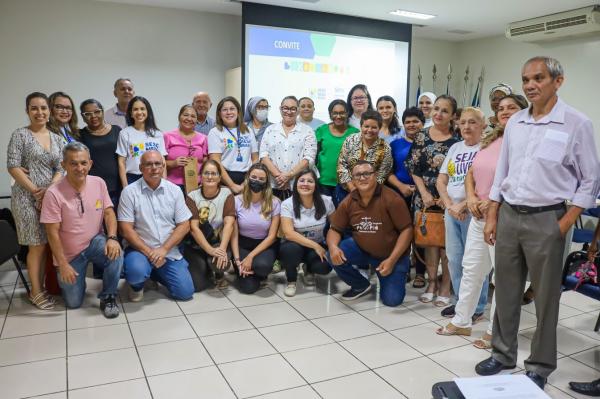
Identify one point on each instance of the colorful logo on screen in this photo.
(305, 66)
(275, 42)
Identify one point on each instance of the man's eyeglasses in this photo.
(89, 114)
(362, 176)
(81, 208)
(151, 165)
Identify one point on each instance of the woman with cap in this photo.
(497, 92)
(425, 104)
(256, 116)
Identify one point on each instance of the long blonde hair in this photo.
(267, 205)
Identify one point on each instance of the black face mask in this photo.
(257, 186)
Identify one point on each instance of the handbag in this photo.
(430, 230)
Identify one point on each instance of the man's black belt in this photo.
(536, 209)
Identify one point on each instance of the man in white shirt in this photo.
(154, 218)
(202, 104)
(124, 92)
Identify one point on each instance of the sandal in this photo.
(221, 283)
(442, 301)
(41, 301)
(451, 329)
(419, 281)
(484, 342)
(426, 297)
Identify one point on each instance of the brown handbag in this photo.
(430, 230)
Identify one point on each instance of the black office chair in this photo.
(10, 248)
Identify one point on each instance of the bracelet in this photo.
(113, 238)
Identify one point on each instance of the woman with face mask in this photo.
(254, 241)
(256, 116)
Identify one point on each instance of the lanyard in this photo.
(237, 142)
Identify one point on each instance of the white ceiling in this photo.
(481, 18)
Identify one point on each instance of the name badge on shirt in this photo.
(553, 146)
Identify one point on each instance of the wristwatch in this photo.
(113, 238)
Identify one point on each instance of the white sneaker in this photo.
(136, 296)
(290, 290)
(309, 278)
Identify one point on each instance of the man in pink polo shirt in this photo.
(73, 212)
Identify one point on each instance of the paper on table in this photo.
(500, 387)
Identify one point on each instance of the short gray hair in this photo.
(553, 66)
(74, 146)
(118, 81)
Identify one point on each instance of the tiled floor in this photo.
(223, 344)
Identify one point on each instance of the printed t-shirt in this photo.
(456, 165)
(80, 215)
(133, 144)
(308, 225)
(236, 150)
(375, 227)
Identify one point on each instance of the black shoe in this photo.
(355, 293)
(448, 311)
(586, 388)
(109, 307)
(491, 366)
(476, 317)
(537, 379)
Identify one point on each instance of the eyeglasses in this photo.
(60, 107)
(263, 107)
(232, 109)
(210, 174)
(362, 176)
(151, 165)
(359, 98)
(290, 110)
(81, 208)
(89, 114)
(338, 114)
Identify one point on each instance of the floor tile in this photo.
(206, 301)
(347, 326)
(98, 339)
(320, 306)
(29, 324)
(590, 357)
(556, 393)
(133, 389)
(58, 395)
(292, 336)
(50, 377)
(161, 330)
(271, 314)
(260, 297)
(8, 277)
(243, 376)
(415, 378)
(568, 341)
(357, 386)
(424, 338)
(103, 368)
(304, 392)
(173, 356)
(579, 301)
(302, 291)
(427, 310)
(32, 348)
(219, 322)
(89, 315)
(462, 360)
(583, 324)
(205, 382)
(380, 350)
(151, 309)
(237, 346)
(369, 301)
(324, 362)
(571, 370)
(393, 318)
(564, 311)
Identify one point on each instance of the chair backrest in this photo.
(9, 246)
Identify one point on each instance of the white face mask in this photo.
(262, 114)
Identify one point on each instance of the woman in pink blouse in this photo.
(183, 144)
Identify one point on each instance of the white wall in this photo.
(81, 47)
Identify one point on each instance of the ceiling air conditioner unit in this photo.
(583, 21)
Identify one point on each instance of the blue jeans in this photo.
(456, 238)
(73, 293)
(174, 274)
(340, 194)
(392, 286)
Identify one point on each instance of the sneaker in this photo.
(355, 293)
(309, 278)
(448, 312)
(276, 267)
(477, 317)
(135, 296)
(290, 290)
(109, 307)
(263, 284)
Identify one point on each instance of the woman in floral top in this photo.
(424, 160)
(364, 146)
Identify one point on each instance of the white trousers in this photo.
(478, 261)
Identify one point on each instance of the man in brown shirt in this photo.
(381, 237)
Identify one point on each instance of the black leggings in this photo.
(237, 177)
(202, 268)
(262, 264)
(291, 254)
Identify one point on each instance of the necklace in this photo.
(99, 131)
